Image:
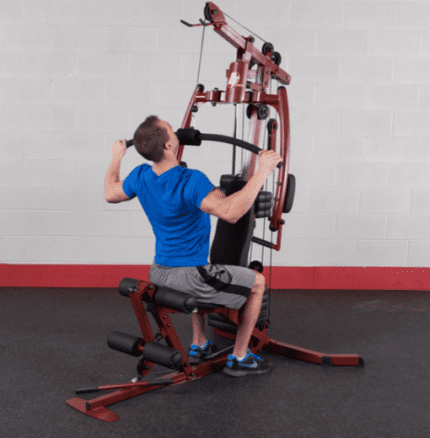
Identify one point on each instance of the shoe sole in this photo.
(241, 373)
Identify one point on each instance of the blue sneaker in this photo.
(251, 364)
(198, 354)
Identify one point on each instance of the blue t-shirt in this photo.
(172, 203)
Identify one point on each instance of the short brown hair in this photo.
(150, 138)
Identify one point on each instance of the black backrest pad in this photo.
(230, 245)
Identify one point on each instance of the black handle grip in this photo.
(130, 143)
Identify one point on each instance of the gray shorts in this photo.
(227, 285)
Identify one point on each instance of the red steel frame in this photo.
(239, 78)
(96, 408)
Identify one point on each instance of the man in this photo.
(178, 202)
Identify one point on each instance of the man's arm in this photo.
(233, 207)
(113, 186)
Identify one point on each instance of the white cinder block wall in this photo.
(76, 75)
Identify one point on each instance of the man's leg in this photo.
(199, 337)
(251, 311)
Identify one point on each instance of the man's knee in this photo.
(260, 283)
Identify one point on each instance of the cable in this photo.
(253, 33)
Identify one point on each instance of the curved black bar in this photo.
(194, 137)
(231, 140)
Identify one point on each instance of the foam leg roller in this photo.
(123, 342)
(162, 355)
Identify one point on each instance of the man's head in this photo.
(155, 140)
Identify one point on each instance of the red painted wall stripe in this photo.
(324, 278)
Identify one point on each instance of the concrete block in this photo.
(393, 96)
(52, 198)
(339, 252)
(308, 226)
(339, 42)
(317, 14)
(11, 66)
(102, 13)
(90, 38)
(315, 69)
(419, 253)
(397, 150)
(61, 146)
(49, 65)
(104, 223)
(162, 67)
(11, 12)
(361, 226)
(37, 118)
(315, 122)
(45, 171)
(92, 172)
(76, 250)
(371, 15)
(338, 149)
(341, 96)
(102, 65)
(13, 223)
(78, 92)
(165, 13)
(411, 175)
(47, 38)
(21, 249)
(362, 175)
(425, 48)
(10, 140)
(176, 93)
(299, 42)
(11, 38)
(129, 93)
(12, 171)
(410, 70)
(301, 150)
(49, 11)
(126, 39)
(253, 13)
(420, 202)
(315, 174)
(424, 97)
(63, 119)
(330, 200)
(185, 40)
(414, 15)
(54, 223)
(102, 119)
(301, 96)
(413, 123)
(139, 225)
(25, 91)
(408, 227)
(11, 118)
(396, 42)
(366, 69)
(388, 201)
(129, 251)
(366, 123)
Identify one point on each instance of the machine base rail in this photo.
(96, 408)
